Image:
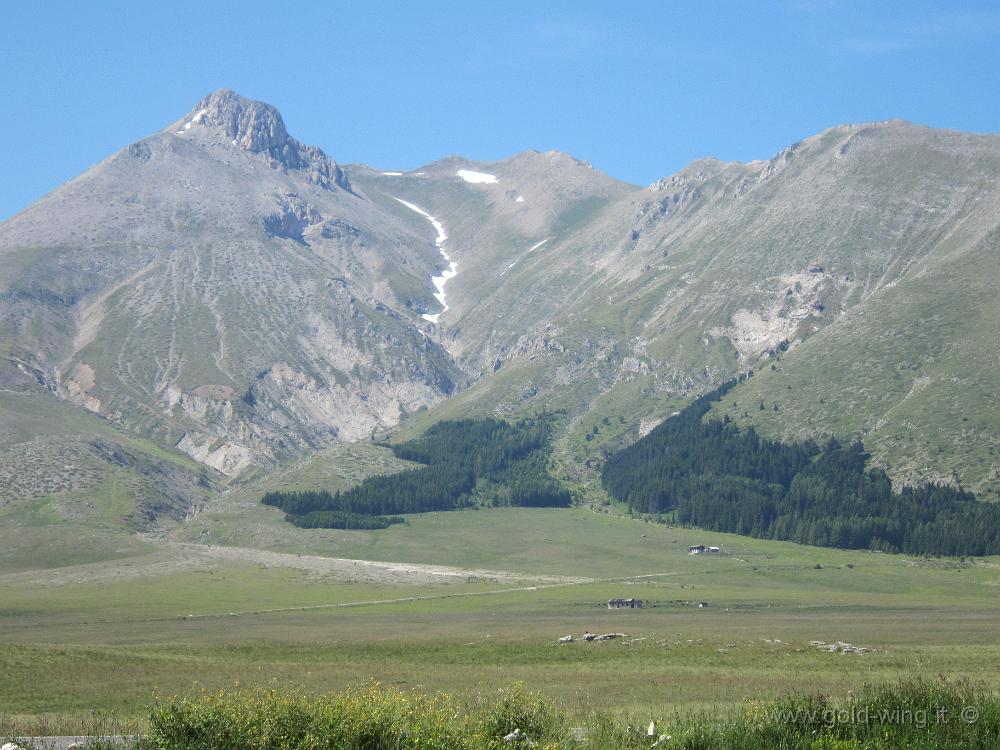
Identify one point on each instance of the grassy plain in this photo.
(107, 636)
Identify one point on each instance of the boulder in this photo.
(608, 636)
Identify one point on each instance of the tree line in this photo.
(460, 457)
(717, 476)
(333, 519)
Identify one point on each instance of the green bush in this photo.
(913, 714)
(518, 708)
(363, 718)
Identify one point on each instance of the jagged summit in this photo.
(257, 127)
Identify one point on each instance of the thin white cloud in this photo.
(945, 27)
(566, 38)
(877, 46)
(569, 40)
(813, 6)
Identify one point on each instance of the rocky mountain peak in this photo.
(258, 127)
(255, 126)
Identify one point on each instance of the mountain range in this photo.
(218, 299)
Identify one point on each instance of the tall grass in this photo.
(370, 717)
(910, 714)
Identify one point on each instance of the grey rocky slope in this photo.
(498, 215)
(221, 287)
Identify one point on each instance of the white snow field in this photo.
(476, 177)
(448, 273)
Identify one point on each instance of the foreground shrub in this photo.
(516, 708)
(913, 714)
(363, 718)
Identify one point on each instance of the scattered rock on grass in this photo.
(840, 646)
(609, 636)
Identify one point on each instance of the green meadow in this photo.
(108, 636)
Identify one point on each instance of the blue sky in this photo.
(639, 89)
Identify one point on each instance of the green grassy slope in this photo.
(870, 249)
(237, 517)
(75, 489)
(914, 373)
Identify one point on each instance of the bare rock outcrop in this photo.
(257, 127)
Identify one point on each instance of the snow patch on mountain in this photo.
(480, 178)
(196, 120)
(533, 247)
(449, 273)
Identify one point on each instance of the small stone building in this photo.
(624, 603)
